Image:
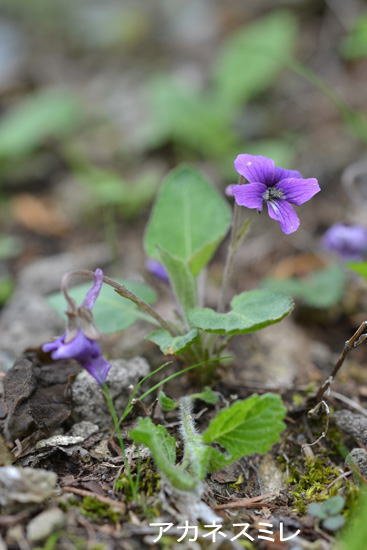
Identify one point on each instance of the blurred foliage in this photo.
(358, 267)
(322, 289)
(109, 189)
(43, 115)
(10, 247)
(354, 46)
(328, 512)
(355, 534)
(206, 120)
(251, 58)
(7, 286)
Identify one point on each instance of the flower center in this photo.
(272, 193)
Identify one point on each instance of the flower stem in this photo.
(143, 306)
(120, 438)
(191, 438)
(228, 267)
(125, 293)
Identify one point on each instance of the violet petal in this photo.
(283, 173)
(283, 212)
(249, 195)
(157, 269)
(94, 291)
(298, 190)
(97, 367)
(255, 168)
(348, 241)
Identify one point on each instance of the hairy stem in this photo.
(238, 233)
(193, 445)
(125, 293)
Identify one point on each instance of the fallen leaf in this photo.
(40, 215)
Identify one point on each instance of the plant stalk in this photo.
(236, 238)
(120, 438)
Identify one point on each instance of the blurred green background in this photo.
(99, 100)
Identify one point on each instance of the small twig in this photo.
(255, 502)
(9, 521)
(84, 493)
(358, 338)
(315, 412)
(351, 404)
(344, 475)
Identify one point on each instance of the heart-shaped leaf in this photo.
(251, 311)
(246, 427)
(188, 220)
(171, 345)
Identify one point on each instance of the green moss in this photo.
(95, 509)
(312, 482)
(149, 481)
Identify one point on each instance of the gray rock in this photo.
(88, 402)
(352, 424)
(43, 525)
(25, 485)
(356, 460)
(44, 276)
(83, 429)
(28, 321)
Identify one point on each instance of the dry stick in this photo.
(84, 493)
(356, 340)
(255, 502)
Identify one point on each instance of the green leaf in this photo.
(251, 311)
(181, 279)
(194, 119)
(40, 116)
(181, 222)
(354, 536)
(207, 395)
(166, 403)
(163, 449)
(252, 57)
(358, 267)
(247, 427)
(316, 510)
(172, 345)
(322, 289)
(7, 287)
(111, 312)
(333, 523)
(354, 46)
(109, 189)
(333, 505)
(10, 247)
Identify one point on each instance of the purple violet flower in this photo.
(348, 241)
(81, 347)
(229, 190)
(157, 269)
(277, 187)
